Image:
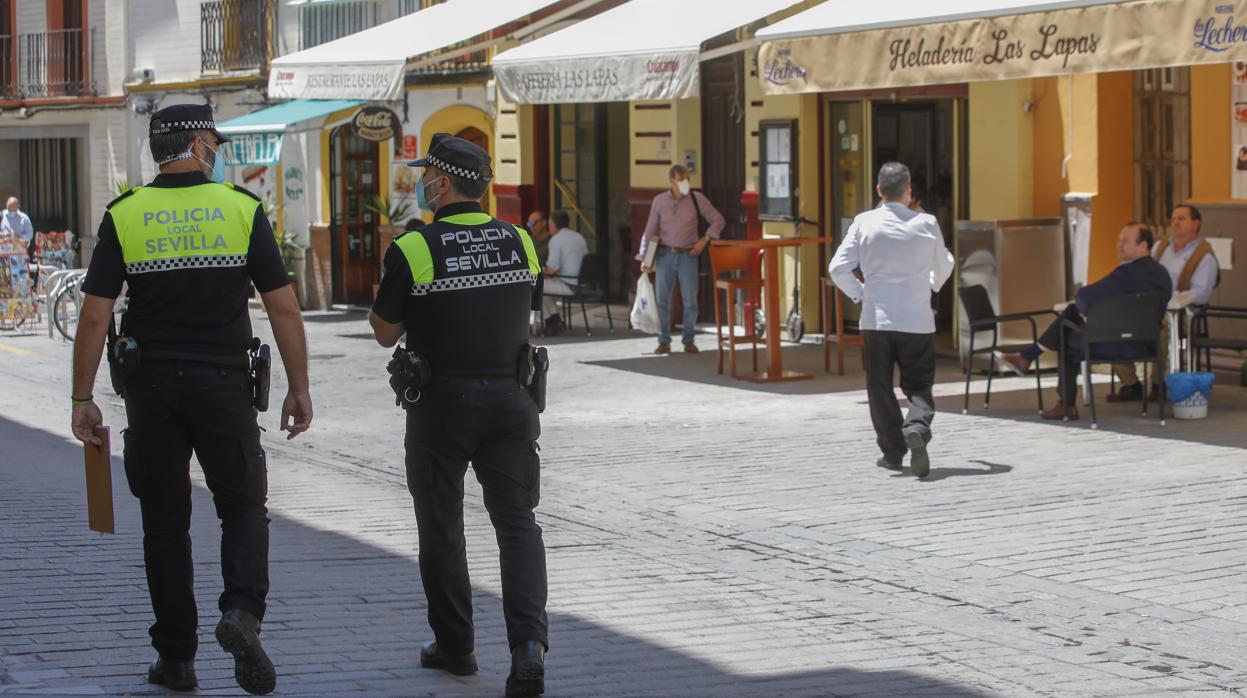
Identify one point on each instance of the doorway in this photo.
(354, 180)
(48, 182)
(591, 180)
(922, 135)
(475, 136)
(722, 168)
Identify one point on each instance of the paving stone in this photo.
(704, 536)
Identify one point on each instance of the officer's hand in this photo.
(86, 418)
(645, 269)
(296, 414)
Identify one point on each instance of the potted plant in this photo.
(291, 251)
(393, 216)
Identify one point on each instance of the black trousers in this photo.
(1071, 362)
(492, 423)
(915, 355)
(175, 410)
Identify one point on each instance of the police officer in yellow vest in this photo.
(189, 246)
(461, 289)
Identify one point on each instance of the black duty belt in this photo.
(227, 360)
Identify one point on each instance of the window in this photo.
(777, 169)
(8, 52)
(234, 35)
(1162, 143)
(319, 24)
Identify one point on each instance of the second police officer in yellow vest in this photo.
(461, 289)
(189, 247)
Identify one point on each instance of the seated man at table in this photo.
(1192, 267)
(1137, 273)
(567, 253)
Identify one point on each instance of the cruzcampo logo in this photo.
(780, 70)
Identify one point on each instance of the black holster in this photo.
(409, 375)
(260, 373)
(123, 357)
(531, 368)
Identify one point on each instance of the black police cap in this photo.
(457, 157)
(184, 117)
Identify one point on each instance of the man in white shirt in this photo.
(890, 261)
(562, 269)
(16, 222)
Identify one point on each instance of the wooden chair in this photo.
(832, 297)
(732, 260)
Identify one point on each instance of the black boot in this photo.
(239, 634)
(528, 669)
(176, 676)
(432, 657)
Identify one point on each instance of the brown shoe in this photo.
(1060, 411)
(691, 348)
(1014, 362)
(663, 348)
(1127, 393)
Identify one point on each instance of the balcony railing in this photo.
(55, 63)
(9, 89)
(234, 35)
(474, 62)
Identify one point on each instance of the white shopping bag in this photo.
(645, 309)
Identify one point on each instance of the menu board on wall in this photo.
(1238, 141)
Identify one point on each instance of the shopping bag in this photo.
(645, 309)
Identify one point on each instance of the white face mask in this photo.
(683, 186)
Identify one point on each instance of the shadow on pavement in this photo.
(345, 617)
(806, 358)
(938, 473)
(1227, 413)
(331, 317)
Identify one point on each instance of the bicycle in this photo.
(64, 300)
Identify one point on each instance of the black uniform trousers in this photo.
(915, 355)
(175, 409)
(492, 423)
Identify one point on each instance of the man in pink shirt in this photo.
(674, 227)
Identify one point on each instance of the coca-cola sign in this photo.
(375, 123)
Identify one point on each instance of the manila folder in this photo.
(100, 484)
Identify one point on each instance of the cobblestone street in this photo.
(705, 537)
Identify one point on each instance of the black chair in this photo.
(1202, 343)
(1133, 318)
(981, 316)
(589, 289)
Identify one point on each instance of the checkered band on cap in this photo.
(460, 283)
(211, 261)
(174, 126)
(451, 169)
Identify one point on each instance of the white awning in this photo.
(851, 45)
(371, 64)
(297, 3)
(643, 49)
(840, 16)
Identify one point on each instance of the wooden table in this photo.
(770, 278)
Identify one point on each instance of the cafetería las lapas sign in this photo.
(1116, 36)
(253, 149)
